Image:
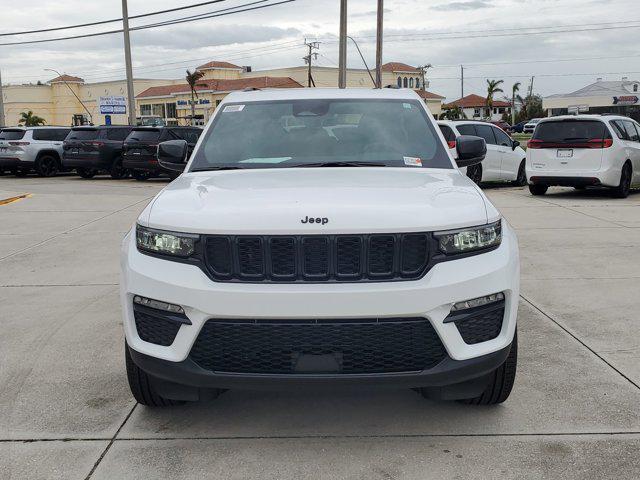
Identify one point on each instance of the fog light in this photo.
(157, 304)
(478, 302)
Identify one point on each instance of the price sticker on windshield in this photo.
(413, 161)
(233, 108)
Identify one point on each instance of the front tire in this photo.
(141, 175)
(118, 172)
(502, 380)
(474, 172)
(86, 172)
(624, 187)
(521, 179)
(141, 387)
(47, 166)
(538, 189)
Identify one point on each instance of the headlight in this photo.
(165, 243)
(470, 239)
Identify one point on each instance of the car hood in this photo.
(352, 200)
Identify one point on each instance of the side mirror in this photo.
(471, 150)
(173, 155)
(515, 144)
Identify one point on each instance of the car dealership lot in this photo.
(66, 410)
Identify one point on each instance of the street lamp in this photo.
(71, 90)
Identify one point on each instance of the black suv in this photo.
(140, 149)
(91, 150)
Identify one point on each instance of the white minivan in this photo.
(320, 237)
(505, 158)
(584, 151)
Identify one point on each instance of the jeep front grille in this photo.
(317, 258)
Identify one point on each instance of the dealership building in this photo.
(620, 97)
(69, 100)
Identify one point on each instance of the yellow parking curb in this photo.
(6, 201)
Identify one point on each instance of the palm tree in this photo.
(493, 87)
(453, 113)
(514, 91)
(28, 119)
(192, 79)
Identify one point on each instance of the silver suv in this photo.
(23, 149)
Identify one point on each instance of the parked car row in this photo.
(119, 150)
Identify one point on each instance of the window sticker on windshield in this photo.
(407, 106)
(413, 161)
(233, 108)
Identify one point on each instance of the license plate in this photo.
(565, 153)
(75, 151)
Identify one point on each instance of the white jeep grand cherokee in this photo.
(320, 236)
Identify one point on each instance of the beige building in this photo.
(173, 102)
(58, 102)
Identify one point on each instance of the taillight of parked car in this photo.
(451, 143)
(18, 144)
(95, 144)
(595, 143)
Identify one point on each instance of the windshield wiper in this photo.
(221, 167)
(335, 164)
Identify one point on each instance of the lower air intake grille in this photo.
(153, 328)
(305, 346)
(479, 324)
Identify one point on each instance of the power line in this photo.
(525, 75)
(514, 62)
(103, 22)
(214, 14)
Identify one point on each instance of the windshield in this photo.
(569, 130)
(146, 135)
(299, 133)
(83, 134)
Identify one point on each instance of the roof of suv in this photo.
(585, 116)
(321, 93)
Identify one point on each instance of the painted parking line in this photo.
(17, 198)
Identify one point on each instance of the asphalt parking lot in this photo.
(66, 411)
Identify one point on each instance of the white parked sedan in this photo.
(505, 160)
(530, 126)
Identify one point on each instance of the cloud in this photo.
(464, 5)
(368, 13)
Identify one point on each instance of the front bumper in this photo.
(430, 297)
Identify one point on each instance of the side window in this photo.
(632, 133)
(618, 127)
(501, 137)
(466, 129)
(448, 134)
(61, 134)
(486, 132)
(399, 82)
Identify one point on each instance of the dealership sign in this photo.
(200, 101)
(625, 100)
(113, 104)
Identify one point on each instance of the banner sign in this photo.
(113, 105)
(625, 100)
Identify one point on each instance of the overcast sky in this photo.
(441, 32)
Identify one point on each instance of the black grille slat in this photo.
(250, 257)
(317, 258)
(359, 346)
(381, 255)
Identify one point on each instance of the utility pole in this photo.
(379, 31)
(531, 86)
(363, 60)
(342, 60)
(312, 56)
(461, 81)
(127, 60)
(423, 71)
(2, 124)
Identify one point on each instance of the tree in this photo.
(192, 79)
(453, 113)
(28, 119)
(493, 87)
(514, 91)
(531, 108)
